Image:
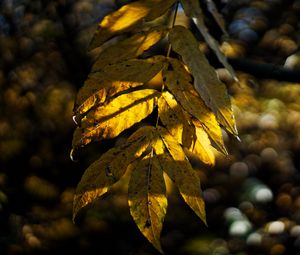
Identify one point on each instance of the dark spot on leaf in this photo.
(148, 223)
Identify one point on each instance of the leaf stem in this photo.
(173, 24)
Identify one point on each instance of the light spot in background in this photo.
(240, 228)
(275, 227)
(263, 195)
(267, 121)
(239, 169)
(254, 239)
(211, 195)
(268, 154)
(295, 231)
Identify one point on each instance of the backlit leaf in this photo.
(147, 198)
(115, 78)
(175, 119)
(178, 81)
(211, 89)
(174, 162)
(129, 48)
(109, 120)
(193, 10)
(128, 17)
(112, 165)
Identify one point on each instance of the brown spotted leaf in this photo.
(109, 120)
(147, 198)
(103, 173)
(211, 89)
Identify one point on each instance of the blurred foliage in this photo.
(252, 196)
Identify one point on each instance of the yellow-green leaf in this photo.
(109, 120)
(128, 17)
(129, 48)
(147, 198)
(175, 163)
(178, 81)
(193, 10)
(116, 78)
(206, 81)
(103, 173)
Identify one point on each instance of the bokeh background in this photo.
(252, 195)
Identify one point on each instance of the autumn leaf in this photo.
(182, 128)
(129, 48)
(174, 162)
(147, 198)
(112, 165)
(116, 78)
(206, 81)
(178, 81)
(128, 17)
(193, 10)
(109, 120)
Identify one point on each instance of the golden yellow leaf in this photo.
(128, 17)
(193, 10)
(175, 163)
(175, 119)
(116, 78)
(129, 48)
(201, 148)
(109, 120)
(178, 81)
(211, 89)
(147, 198)
(112, 165)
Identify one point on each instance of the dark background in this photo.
(252, 195)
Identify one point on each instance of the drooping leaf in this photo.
(211, 89)
(147, 198)
(175, 163)
(109, 120)
(201, 148)
(175, 119)
(193, 10)
(178, 81)
(128, 17)
(182, 128)
(129, 48)
(112, 165)
(115, 78)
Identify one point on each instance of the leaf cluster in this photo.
(192, 106)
